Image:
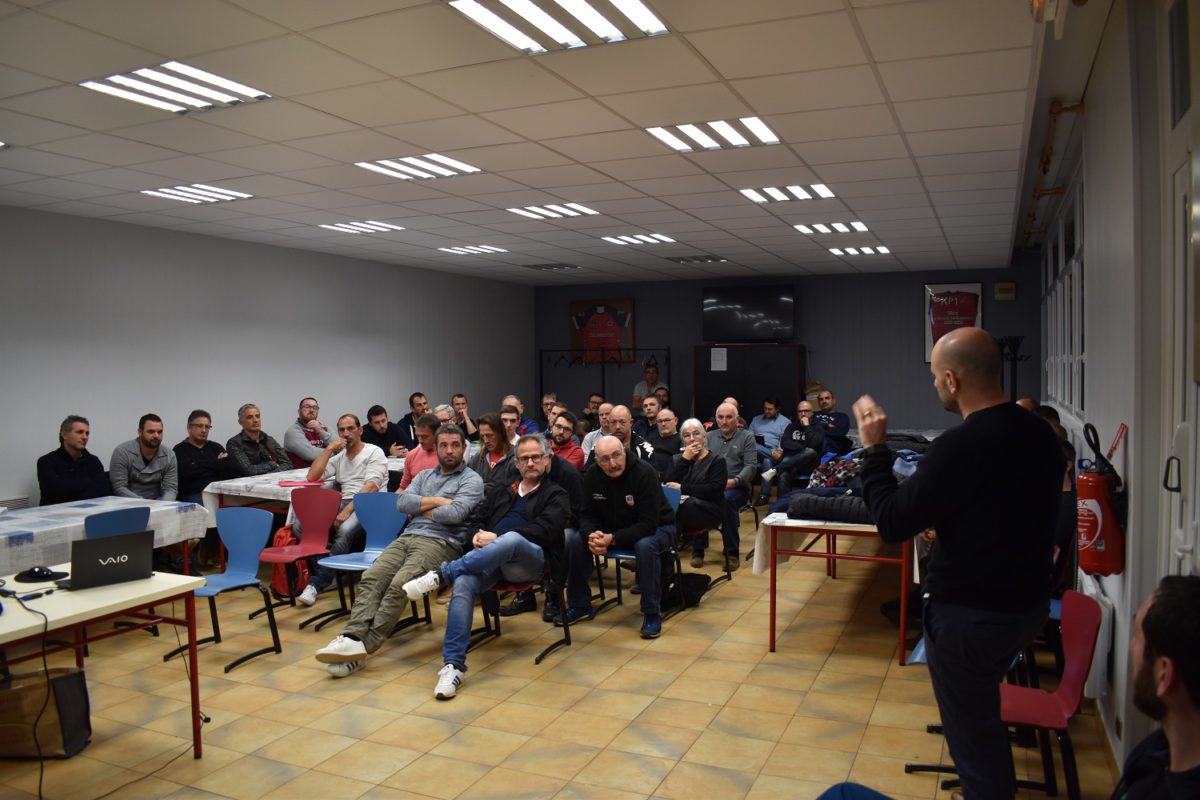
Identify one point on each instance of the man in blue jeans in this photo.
(525, 521)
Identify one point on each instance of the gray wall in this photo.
(863, 334)
(111, 320)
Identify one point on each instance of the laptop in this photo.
(109, 560)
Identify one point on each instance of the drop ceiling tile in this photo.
(447, 205)
(499, 158)
(692, 15)
(601, 146)
(838, 174)
(779, 46)
(414, 41)
(451, 133)
(76, 54)
(852, 149)
(265, 206)
(187, 135)
(688, 202)
(653, 63)
(22, 129)
(62, 189)
(151, 219)
(973, 196)
(301, 15)
(551, 177)
(177, 29)
(350, 147)
(495, 86)
(949, 76)
(808, 91)
(652, 217)
(278, 119)
(89, 110)
(8, 176)
(489, 218)
(377, 104)
(955, 210)
(25, 159)
(944, 27)
(994, 161)
(653, 167)
(1002, 108)
(399, 191)
(784, 176)
(264, 186)
(516, 198)
(110, 150)
(554, 120)
(15, 81)
(911, 200)
(595, 192)
(478, 184)
(343, 176)
(812, 126)
(260, 223)
(974, 180)
(966, 140)
(194, 169)
(287, 65)
(699, 103)
(873, 188)
(81, 208)
(688, 185)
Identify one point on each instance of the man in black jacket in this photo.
(201, 461)
(525, 522)
(990, 488)
(624, 508)
(71, 472)
(801, 446)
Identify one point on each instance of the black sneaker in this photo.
(521, 602)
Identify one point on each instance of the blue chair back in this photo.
(379, 517)
(114, 523)
(244, 532)
(673, 497)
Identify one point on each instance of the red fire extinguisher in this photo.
(1099, 523)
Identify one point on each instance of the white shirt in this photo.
(350, 474)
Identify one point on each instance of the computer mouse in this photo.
(41, 573)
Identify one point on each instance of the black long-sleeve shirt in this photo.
(200, 466)
(703, 479)
(991, 489)
(630, 506)
(62, 479)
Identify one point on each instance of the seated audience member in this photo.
(494, 461)
(647, 385)
(200, 461)
(142, 467)
(802, 445)
(834, 423)
(254, 452)
(305, 438)
(624, 508)
(664, 441)
(419, 405)
(462, 417)
(736, 447)
(524, 424)
(383, 434)
(699, 474)
(562, 431)
(769, 425)
(590, 412)
(620, 423)
(423, 456)
(439, 503)
(602, 429)
(524, 530)
(664, 395)
(354, 466)
(549, 399)
(711, 422)
(71, 472)
(444, 413)
(510, 415)
(644, 424)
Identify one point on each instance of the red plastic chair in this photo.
(315, 508)
(1052, 711)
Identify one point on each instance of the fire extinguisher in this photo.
(1099, 513)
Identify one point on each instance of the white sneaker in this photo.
(769, 475)
(450, 678)
(344, 669)
(308, 596)
(418, 587)
(341, 650)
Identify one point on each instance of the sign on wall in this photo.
(949, 306)
(602, 330)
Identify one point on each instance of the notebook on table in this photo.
(109, 560)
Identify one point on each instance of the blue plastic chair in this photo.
(114, 523)
(244, 532)
(377, 513)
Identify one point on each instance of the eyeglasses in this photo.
(198, 425)
(612, 459)
(563, 428)
(530, 459)
(309, 407)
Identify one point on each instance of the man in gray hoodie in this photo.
(142, 467)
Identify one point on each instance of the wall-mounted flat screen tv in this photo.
(749, 314)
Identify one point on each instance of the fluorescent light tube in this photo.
(566, 212)
(640, 16)
(753, 195)
(669, 139)
(883, 249)
(396, 165)
(699, 137)
(170, 196)
(841, 227)
(822, 190)
(134, 96)
(387, 225)
(215, 80)
(525, 213)
(799, 192)
(187, 86)
(337, 228)
(662, 238)
(497, 26)
(382, 170)
(822, 228)
(184, 191)
(858, 226)
(835, 251)
(597, 24)
(192, 190)
(158, 91)
(613, 240)
(775, 193)
(760, 130)
(729, 133)
(451, 162)
(581, 209)
(868, 251)
(221, 191)
(804, 229)
(852, 251)
(543, 213)
(630, 239)
(425, 165)
(545, 23)
(647, 239)
(492, 249)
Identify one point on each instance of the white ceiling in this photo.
(915, 112)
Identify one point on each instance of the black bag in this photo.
(65, 726)
(685, 588)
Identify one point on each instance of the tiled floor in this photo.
(703, 712)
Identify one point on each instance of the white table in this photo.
(265, 487)
(71, 612)
(43, 535)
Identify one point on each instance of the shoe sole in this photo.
(651, 634)
(339, 658)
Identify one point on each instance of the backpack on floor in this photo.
(279, 572)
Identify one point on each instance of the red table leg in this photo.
(773, 547)
(189, 604)
(905, 566)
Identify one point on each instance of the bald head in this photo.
(726, 419)
(610, 456)
(972, 354)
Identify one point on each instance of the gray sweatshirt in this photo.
(131, 476)
(741, 457)
(463, 486)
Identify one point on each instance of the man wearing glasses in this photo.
(201, 462)
(562, 432)
(665, 441)
(307, 437)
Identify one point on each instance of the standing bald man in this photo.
(990, 488)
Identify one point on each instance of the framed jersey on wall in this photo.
(602, 331)
(949, 306)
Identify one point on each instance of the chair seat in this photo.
(1020, 705)
(289, 553)
(223, 582)
(356, 562)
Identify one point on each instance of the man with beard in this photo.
(307, 436)
(142, 467)
(990, 487)
(562, 430)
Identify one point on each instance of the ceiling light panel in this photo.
(554, 211)
(832, 227)
(177, 87)
(196, 193)
(787, 194)
(426, 167)
(638, 239)
(472, 250)
(551, 267)
(367, 226)
(859, 251)
(699, 260)
(715, 135)
(538, 26)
